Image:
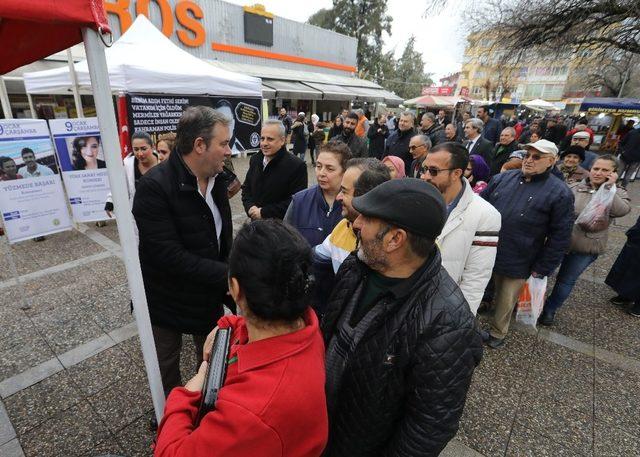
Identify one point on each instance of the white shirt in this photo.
(472, 143)
(41, 170)
(217, 217)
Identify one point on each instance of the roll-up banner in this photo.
(84, 170)
(158, 114)
(32, 200)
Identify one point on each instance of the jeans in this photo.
(571, 268)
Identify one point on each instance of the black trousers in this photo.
(168, 348)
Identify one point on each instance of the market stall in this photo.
(607, 115)
(160, 80)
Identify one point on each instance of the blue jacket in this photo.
(492, 130)
(311, 215)
(537, 219)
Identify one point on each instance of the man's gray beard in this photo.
(377, 263)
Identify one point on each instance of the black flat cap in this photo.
(408, 203)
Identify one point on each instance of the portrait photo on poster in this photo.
(27, 158)
(85, 152)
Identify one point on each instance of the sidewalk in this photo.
(72, 380)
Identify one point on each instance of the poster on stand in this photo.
(156, 114)
(84, 170)
(32, 200)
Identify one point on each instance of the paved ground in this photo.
(72, 380)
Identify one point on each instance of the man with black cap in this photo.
(401, 341)
(537, 219)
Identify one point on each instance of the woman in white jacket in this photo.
(136, 164)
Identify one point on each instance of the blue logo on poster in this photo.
(1, 130)
(75, 200)
(11, 215)
(69, 126)
(254, 140)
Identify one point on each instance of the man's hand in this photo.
(196, 383)
(208, 344)
(255, 213)
(537, 275)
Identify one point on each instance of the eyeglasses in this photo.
(534, 157)
(413, 148)
(433, 171)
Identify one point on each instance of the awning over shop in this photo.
(268, 92)
(318, 86)
(332, 91)
(608, 105)
(541, 105)
(292, 89)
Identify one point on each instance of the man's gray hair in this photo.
(281, 130)
(197, 122)
(359, 112)
(510, 130)
(476, 124)
(411, 114)
(430, 116)
(425, 140)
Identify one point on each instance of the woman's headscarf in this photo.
(481, 170)
(398, 164)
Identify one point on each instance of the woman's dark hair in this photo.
(142, 135)
(272, 263)
(340, 149)
(80, 142)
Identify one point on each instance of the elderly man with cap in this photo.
(401, 341)
(537, 218)
(583, 140)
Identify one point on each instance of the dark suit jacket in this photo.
(483, 148)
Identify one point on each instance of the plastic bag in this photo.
(595, 216)
(531, 301)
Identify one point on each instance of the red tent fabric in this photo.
(33, 29)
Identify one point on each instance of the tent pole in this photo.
(4, 99)
(109, 135)
(74, 85)
(32, 106)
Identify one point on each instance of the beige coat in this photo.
(594, 242)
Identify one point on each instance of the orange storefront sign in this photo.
(186, 20)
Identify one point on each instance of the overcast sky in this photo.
(440, 38)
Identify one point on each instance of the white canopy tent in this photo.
(144, 60)
(540, 105)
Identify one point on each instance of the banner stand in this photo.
(97, 64)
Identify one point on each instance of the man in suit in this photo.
(475, 143)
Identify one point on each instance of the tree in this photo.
(405, 76)
(552, 26)
(616, 76)
(365, 20)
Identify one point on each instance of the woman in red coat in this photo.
(273, 401)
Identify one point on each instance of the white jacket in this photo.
(129, 163)
(468, 244)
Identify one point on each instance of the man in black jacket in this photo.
(401, 341)
(184, 221)
(430, 127)
(274, 175)
(357, 145)
(398, 141)
(475, 143)
(503, 150)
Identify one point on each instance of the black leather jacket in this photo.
(405, 384)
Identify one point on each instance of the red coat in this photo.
(272, 403)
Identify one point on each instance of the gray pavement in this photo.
(72, 379)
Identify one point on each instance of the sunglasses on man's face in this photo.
(534, 157)
(433, 171)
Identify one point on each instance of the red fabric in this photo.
(518, 128)
(272, 404)
(37, 28)
(588, 130)
(123, 125)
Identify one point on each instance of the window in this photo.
(553, 91)
(533, 91)
(477, 91)
(480, 74)
(523, 72)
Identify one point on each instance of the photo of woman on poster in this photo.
(85, 152)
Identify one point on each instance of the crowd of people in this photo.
(353, 302)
